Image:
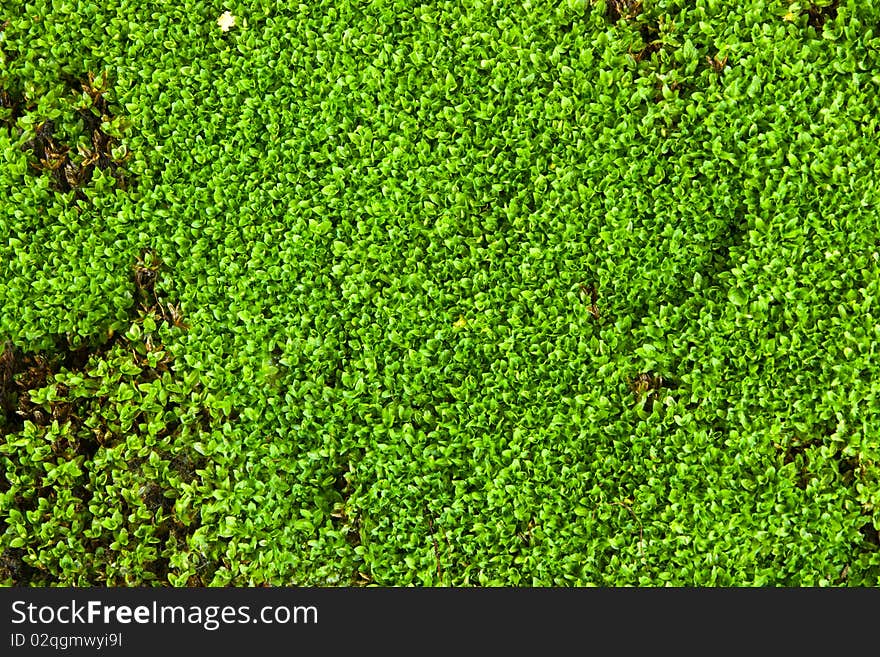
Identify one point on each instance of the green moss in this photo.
(464, 294)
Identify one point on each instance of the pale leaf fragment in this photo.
(226, 21)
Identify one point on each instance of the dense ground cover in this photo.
(472, 293)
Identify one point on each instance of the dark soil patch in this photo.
(651, 38)
(818, 16)
(616, 10)
(70, 168)
(87, 431)
(22, 372)
(14, 568)
(647, 386)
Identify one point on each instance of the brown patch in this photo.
(13, 567)
(145, 275)
(19, 374)
(651, 38)
(647, 386)
(187, 466)
(717, 63)
(175, 317)
(8, 367)
(870, 534)
(525, 535)
(87, 432)
(796, 452)
(818, 16)
(616, 10)
(850, 468)
(70, 171)
(592, 293)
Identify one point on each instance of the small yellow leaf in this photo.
(460, 323)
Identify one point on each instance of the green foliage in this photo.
(475, 294)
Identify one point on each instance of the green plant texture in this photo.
(475, 293)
